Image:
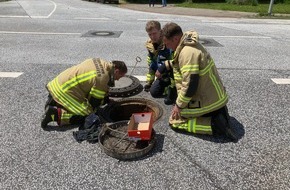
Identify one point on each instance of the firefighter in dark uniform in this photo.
(157, 55)
(201, 101)
(80, 90)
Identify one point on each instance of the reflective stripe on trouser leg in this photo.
(199, 125)
(65, 117)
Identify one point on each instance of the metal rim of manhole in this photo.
(122, 109)
(133, 87)
(114, 141)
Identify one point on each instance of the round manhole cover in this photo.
(125, 87)
(102, 33)
(124, 108)
(115, 142)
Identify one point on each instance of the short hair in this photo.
(150, 25)
(171, 29)
(120, 65)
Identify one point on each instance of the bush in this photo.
(243, 2)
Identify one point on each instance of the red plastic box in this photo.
(140, 126)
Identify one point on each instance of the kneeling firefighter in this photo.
(201, 97)
(78, 91)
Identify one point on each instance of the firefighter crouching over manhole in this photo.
(78, 91)
(201, 97)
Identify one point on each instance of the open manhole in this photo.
(125, 87)
(124, 108)
(114, 141)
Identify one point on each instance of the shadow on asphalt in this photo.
(237, 126)
(60, 129)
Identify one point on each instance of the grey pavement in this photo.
(41, 41)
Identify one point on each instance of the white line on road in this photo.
(11, 16)
(10, 74)
(53, 8)
(86, 18)
(38, 33)
(281, 81)
(151, 19)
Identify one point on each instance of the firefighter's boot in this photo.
(221, 125)
(51, 114)
(171, 96)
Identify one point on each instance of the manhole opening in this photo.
(123, 109)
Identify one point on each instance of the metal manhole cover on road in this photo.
(115, 142)
(209, 42)
(125, 87)
(96, 33)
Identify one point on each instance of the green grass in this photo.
(262, 9)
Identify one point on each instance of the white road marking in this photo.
(10, 74)
(11, 16)
(281, 81)
(141, 78)
(38, 33)
(86, 18)
(53, 8)
(151, 19)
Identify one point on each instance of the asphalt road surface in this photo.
(41, 38)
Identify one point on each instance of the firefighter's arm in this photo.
(189, 67)
(96, 97)
(95, 103)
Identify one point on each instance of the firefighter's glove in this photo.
(147, 87)
(107, 100)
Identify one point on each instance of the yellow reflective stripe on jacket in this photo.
(149, 60)
(150, 77)
(75, 106)
(206, 109)
(184, 98)
(190, 68)
(177, 76)
(97, 93)
(207, 68)
(78, 79)
(216, 84)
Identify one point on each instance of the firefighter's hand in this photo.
(175, 113)
(108, 100)
(147, 87)
(158, 74)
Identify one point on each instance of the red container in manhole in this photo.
(140, 126)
